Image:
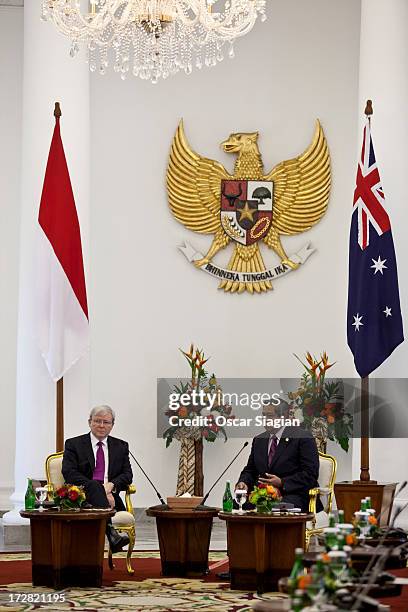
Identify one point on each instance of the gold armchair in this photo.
(122, 521)
(327, 477)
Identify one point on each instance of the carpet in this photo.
(146, 565)
(145, 590)
(399, 604)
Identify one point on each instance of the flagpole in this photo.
(365, 396)
(365, 433)
(377, 340)
(59, 436)
(59, 440)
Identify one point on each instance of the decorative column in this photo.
(50, 75)
(384, 80)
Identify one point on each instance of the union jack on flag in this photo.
(369, 196)
(374, 321)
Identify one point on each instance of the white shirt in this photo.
(278, 435)
(94, 442)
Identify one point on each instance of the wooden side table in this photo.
(184, 540)
(261, 547)
(67, 547)
(349, 495)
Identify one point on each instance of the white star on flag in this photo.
(357, 322)
(387, 312)
(378, 265)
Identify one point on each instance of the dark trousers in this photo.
(95, 494)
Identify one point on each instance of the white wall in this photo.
(11, 59)
(146, 300)
(384, 78)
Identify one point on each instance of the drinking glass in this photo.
(41, 495)
(240, 497)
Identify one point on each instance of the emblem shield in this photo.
(246, 209)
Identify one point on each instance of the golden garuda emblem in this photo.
(248, 207)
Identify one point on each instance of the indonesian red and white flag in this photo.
(63, 308)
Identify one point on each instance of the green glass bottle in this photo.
(363, 506)
(29, 500)
(340, 516)
(297, 601)
(298, 568)
(368, 503)
(330, 537)
(320, 569)
(227, 500)
(332, 520)
(341, 540)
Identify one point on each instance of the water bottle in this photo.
(29, 500)
(368, 503)
(227, 500)
(297, 569)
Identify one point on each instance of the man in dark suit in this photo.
(285, 457)
(100, 463)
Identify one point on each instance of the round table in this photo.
(67, 547)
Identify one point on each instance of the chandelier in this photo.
(153, 39)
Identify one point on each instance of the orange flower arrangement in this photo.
(264, 497)
(319, 399)
(199, 381)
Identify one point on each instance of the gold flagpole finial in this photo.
(369, 108)
(57, 110)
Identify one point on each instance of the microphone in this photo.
(163, 505)
(202, 505)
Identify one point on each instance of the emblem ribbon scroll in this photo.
(246, 277)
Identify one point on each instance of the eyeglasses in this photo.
(101, 422)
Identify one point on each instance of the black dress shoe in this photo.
(116, 541)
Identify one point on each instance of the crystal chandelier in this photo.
(153, 38)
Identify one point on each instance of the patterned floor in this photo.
(158, 595)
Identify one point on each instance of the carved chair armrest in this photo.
(313, 493)
(128, 500)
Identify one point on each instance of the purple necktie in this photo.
(99, 471)
(273, 445)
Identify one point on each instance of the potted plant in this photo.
(69, 497)
(190, 472)
(265, 497)
(320, 404)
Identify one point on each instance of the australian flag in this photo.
(374, 322)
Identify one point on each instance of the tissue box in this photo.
(183, 503)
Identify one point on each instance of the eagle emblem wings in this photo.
(248, 207)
